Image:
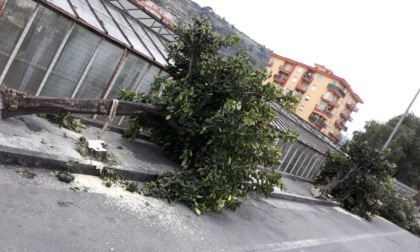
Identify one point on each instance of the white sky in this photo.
(374, 45)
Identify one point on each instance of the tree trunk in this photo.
(337, 181)
(13, 103)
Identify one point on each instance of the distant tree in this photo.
(357, 179)
(361, 181)
(405, 146)
(224, 106)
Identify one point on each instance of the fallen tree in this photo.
(211, 114)
(14, 103)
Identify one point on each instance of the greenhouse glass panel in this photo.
(13, 19)
(101, 71)
(64, 5)
(37, 51)
(128, 76)
(71, 64)
(84, 12)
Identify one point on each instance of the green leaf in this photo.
(197, 211)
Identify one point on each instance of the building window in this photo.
(301, 107)
(308, 97)
(294, 79)
(334, 82)
(313, 88)
(319, 77)
(299, 70)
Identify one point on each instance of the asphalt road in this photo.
(43, 214)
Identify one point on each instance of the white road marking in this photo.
(284, 246)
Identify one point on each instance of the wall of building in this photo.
(42, 52)
(335, 118)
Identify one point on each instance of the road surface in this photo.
(43, 214)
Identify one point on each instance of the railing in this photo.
(302, 89)
(352, 107)
(323, 111)
(341, 126)
(283, 69)
(335, 136)
(336, 90)
(346, 116)
(317, 121)
(307, 77)
(330, 102)
(279, 79)
(268, 63)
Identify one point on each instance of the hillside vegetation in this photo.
(185, 10)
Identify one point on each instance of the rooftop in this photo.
(124, 22)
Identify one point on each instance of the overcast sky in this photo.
(374, 45)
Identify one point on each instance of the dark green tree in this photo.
(222, 113)
(361, 181)
(404, 147)
(357, 180)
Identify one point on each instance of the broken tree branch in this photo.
(14, 103)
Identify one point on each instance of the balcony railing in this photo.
(284, 70)
(336, 90)
(334, 136)
(279, 79)
(268, 63)
(323, 111)
(308, 77)
(317, 121)
(330, 102)
(352, 107)
(341, 126)
(301, 89)
(346, 117)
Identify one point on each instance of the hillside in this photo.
(185, 10)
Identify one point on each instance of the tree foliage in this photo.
(404, 147)
(224, 106)
(361, 181)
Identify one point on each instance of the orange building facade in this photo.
(327, 101)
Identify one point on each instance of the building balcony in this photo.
(336, 90)
(317, 121)
(352, 107)
(280, 80)
(346, 117)
(301, 89)
(334, 136)
(267, 63)
(323, 112)
(284, 70)
(340, 125)
(334, 104)
(308, 77)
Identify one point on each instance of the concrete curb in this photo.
(14, 156)
(297, 178)
(35, 159)
(304, 199)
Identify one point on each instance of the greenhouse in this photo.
(79, 48)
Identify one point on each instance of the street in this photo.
(44, 214)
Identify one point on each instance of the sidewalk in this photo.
(34, 142)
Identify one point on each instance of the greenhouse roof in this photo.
(123, 21)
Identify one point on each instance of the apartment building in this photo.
(327, 101)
